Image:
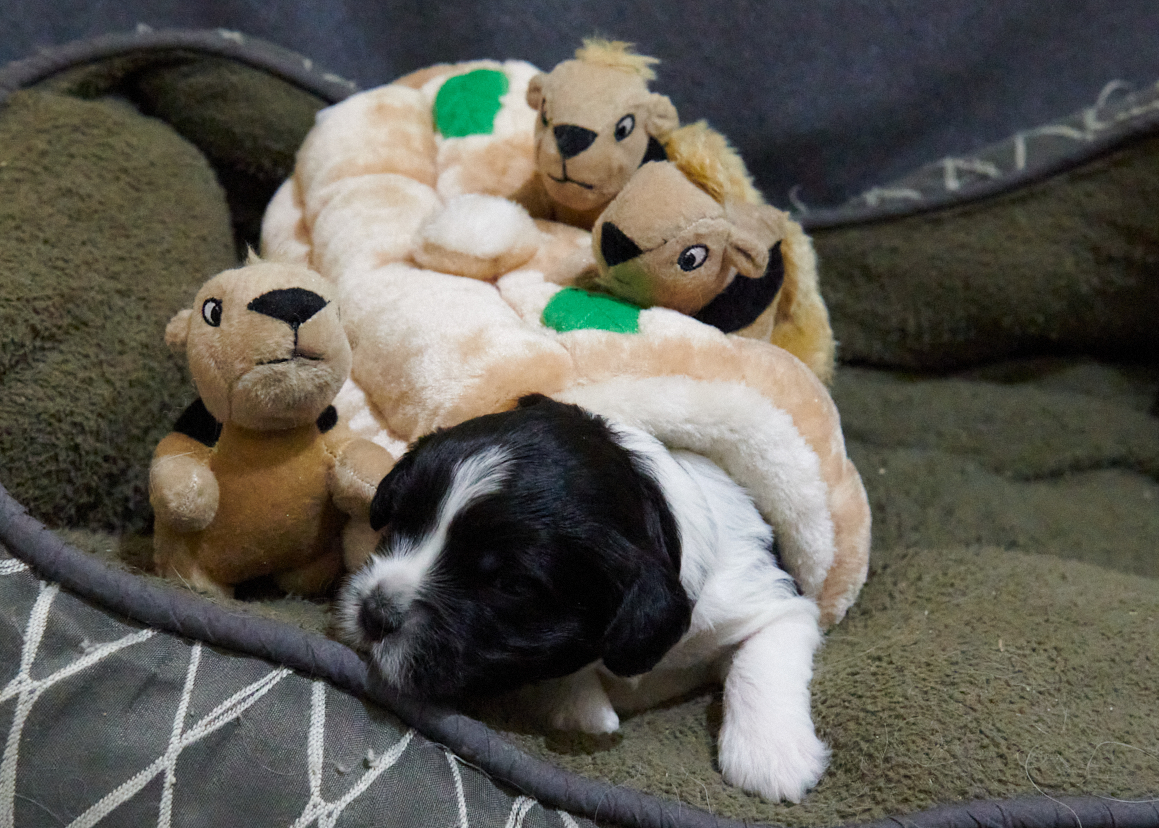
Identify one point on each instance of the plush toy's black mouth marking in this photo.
(566, 180)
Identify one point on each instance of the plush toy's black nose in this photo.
(572, 140)
(379, 616)
(291, 305)
(615, 246)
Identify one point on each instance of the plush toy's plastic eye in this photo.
(624, 127)
(211, 312)
(692, 257)
(543, 114)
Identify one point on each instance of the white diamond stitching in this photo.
(318, 809)
(28, 690)
(223, 714)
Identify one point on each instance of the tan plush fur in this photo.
(264, 499)
(432, 348)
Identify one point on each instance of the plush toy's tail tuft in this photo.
(711, 163)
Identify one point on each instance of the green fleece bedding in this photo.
(1006, 641)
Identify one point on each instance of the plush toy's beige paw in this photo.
(358, 543)
(183, 492)
(358, 469)
(479, 236)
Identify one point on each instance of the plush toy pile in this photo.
(433, 207)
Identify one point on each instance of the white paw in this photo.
(780, 763)
(585, 714)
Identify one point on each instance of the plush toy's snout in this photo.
(615, 245)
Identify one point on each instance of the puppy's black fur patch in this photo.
(574, 558)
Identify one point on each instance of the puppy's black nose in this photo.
(291, 305)
(616, 246)
(572, 140)
(379, 616)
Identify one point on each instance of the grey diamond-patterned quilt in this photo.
(137, 727)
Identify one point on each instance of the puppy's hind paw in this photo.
(780, 765)
(585, 715)
(573, 703)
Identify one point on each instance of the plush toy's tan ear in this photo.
(756, 228)
(747, 253)
(661, 117)
(535, 91)
(177, 331)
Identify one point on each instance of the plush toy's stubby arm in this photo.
(359, 465)
(182, 489)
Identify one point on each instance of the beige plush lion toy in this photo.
(257, 479)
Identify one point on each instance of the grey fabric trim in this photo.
(1025, 158)
(251, 51)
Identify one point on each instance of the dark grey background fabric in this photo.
(824, 99)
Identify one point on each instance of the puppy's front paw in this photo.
(777, 764)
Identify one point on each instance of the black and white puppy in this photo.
(545, 546)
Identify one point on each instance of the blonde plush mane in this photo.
(616, 54)
(710, 162)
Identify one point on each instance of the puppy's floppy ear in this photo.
(655, 611)
(654, 615)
